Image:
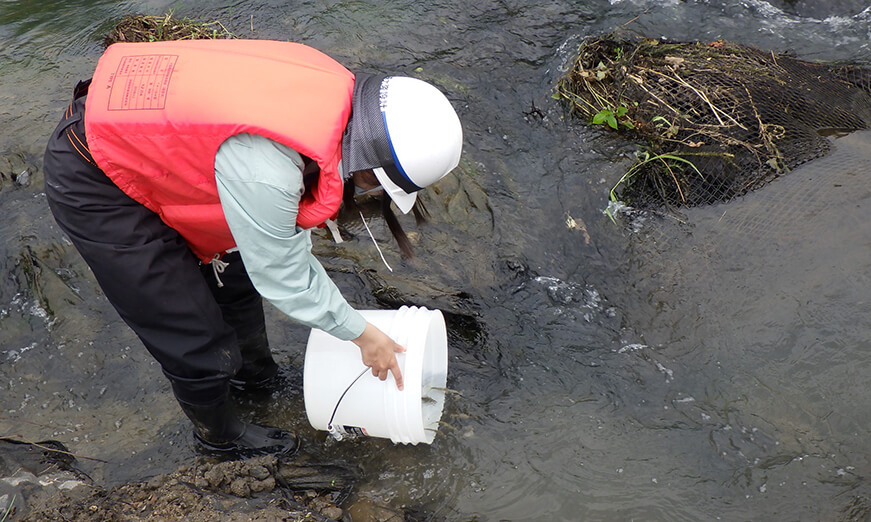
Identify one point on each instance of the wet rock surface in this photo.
(17, 169)
(40, 482)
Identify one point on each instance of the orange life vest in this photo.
(156, 114)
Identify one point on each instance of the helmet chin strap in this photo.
(337, 237)
(375, 242)
(333, 227)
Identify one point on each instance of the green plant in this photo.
(611, 117)
(669, 161)
(647, 159)
(8, 509)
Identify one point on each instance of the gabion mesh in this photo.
(719, 118)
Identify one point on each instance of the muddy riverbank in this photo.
(42, 482)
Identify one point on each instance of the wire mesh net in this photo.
(719, 119)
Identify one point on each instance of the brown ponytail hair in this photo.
(419, 211)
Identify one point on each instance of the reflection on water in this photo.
(707, 366)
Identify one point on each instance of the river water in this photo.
(710, 366)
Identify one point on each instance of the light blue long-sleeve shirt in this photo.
(260, 185)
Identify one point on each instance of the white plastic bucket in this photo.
(343, 397)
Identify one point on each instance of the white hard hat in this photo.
(424, 134)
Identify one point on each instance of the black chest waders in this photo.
(189, 324)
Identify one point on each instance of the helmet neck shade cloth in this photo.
(366, 142)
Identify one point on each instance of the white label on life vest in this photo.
(141, 82)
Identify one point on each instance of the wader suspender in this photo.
(79, 143)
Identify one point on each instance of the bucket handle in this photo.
(337, 433)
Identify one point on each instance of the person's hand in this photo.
(379, 353)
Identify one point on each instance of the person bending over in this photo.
(188, 175)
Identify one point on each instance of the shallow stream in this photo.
(710, 366)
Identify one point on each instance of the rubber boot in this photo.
(259, 373)
(219, 430)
